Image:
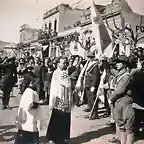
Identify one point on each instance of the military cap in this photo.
(122, 59)
(112, 61)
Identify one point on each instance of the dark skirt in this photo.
(59, 127)
(25, 137)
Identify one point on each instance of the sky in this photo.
(15, 13)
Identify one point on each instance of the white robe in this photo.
(28, 119)
(56, 87)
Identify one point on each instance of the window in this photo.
(46, 26)
(55, 25)
(50, 25)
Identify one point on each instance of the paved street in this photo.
(83, 131)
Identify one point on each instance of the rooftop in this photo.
(56, 9)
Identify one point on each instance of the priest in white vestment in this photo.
(61, 103)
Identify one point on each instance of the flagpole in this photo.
(95, 28)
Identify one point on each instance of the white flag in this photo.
(99, 30)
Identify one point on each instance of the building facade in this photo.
(58, 20)
(11, 50)
(63, 21)
(114, 17)
(29, 38)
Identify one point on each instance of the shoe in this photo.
(8, 107)
(93, 117)
(114, 140)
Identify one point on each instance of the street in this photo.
(83, 131)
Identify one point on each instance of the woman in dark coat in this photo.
(47, 83)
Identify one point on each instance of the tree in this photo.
(124, 34)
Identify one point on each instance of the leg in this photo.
(130, 119)
(123, 137)
(130, 138)
(89, 99)
(40, 91)
(106, 104)
(120, 122)
(116, 138)
(112, 121)
(4, 99)
(8, 98)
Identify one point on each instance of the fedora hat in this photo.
(122, 59)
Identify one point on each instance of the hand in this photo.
(92, 89)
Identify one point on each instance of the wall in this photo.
(68, 17)
(52, 19)
(28, 35)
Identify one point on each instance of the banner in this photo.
(99, 30)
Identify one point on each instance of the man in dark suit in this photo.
(38, 72)
(8, 80)
(90, 79)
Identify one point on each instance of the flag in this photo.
(99, 30)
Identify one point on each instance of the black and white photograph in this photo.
(72, 72)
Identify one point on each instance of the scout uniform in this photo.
(121, 98)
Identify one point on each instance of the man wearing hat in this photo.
(122, 100)
(8, 80)
(89, 79)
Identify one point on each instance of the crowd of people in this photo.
(65, 82)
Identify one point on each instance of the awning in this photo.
(68, 32)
